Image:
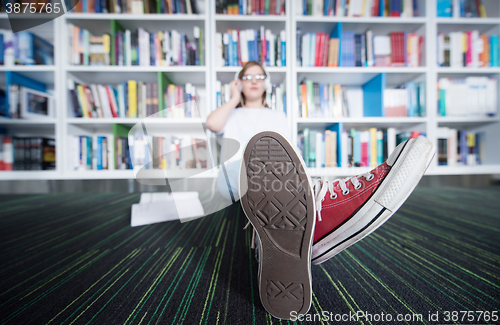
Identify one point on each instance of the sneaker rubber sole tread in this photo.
(279, 203)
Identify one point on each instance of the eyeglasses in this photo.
(249, 77)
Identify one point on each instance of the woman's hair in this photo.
(242, 73)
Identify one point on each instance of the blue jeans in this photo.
(229, 186)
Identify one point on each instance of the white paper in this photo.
(167, 196)
(161, 207)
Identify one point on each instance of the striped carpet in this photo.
(74, 259)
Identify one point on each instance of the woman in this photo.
(243, 116)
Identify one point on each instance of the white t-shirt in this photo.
(243, 123)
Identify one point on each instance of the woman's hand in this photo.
(235, 90)
(218, 118)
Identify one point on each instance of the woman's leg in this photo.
(227, 180)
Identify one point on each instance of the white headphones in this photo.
(267, 83)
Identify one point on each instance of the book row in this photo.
(133, 99)
(23, 97)
(472, 96)
(168, 152)
(111, 152)
(98, 152)
(322, 100)
(406, 101)
(18, 102)
(27, 153)
(398, 49)
(460, 148)
(350, 148)
(237, 47)
(461, 8)
(140, 47)
(24, 48)
(250, 7)
(354, 148)
(276, 99)
(467, 49)
(134, 6)
(357, 8)
(333, 100)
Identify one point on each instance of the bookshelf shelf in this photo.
(102, 174)
(485, 70)
(29, 175)
(467, 119)
(29, 16)
(465, 170)
(468, 21)
(124, 69)
(370, 20)
(28, 68)
(252, 18)
(235, 69)
(360, 70)
(160, 17)
(460, 122)
(362, 123)
(6, 121)
(375, 120)
(130, 174)
(436, 170)
(159, 121)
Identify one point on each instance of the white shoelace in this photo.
(321, 186)
(253, 233)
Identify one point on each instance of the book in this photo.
(27, 153)
(252, 7)
(24, 48)
(471, 96)
(239, 47)
(358, 8)
(467, 49)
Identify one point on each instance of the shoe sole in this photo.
(280, 205)
(403, 177)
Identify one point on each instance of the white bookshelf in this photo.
(197, 75)
(428, 25)
(65, 124)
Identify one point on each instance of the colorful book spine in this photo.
(373, 147)
(132, 98)
(494, 47)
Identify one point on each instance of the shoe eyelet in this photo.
(372, 176)
(333, 197)
(322, 199)
(345, 192)
(358, 187)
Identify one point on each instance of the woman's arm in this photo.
(218, 118)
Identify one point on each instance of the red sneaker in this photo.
(349, 209)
